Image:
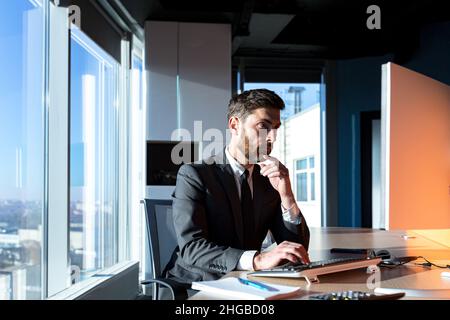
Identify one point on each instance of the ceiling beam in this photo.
(241, 24)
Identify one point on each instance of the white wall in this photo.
(302, 140)
(205, 74)
(161, 65)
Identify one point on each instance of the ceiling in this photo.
(322, 29)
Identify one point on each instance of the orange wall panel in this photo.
(419, 151)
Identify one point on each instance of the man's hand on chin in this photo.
(278, 176)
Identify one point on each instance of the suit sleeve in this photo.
(190, 222)
(283, 230)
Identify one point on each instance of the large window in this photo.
(93, 156)
(22, 131)
(298, 142)
(62, 137)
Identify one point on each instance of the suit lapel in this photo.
(226, 178)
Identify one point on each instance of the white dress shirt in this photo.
(290, 215)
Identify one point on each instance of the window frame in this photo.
(105, 61)
(56, 225)
(137, 225)
(123, 140)
(56, 274)
(308, 171)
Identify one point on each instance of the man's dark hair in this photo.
(243, 104)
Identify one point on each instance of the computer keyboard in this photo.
(290, 266)
(313, 269)
(356, 295)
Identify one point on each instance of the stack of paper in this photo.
(233, 288)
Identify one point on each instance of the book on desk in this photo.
(234, 288)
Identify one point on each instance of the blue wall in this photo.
(433, 58)
(358, 89)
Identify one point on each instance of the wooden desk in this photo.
(408, 276)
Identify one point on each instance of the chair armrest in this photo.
(177, 290)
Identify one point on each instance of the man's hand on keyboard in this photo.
(291, 251)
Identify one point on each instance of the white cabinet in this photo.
(188, 77)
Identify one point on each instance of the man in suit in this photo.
(224, 206)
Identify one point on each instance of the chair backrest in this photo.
(161, 233)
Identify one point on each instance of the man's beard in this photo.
(250, 154)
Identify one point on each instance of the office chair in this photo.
(159, 221)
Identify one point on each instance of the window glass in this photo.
(94, 157)
(301, 164)
(21, 148)
(311, 163)
(302, 187)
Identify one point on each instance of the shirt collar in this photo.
(237, 168)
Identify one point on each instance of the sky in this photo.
(21, 101)
(309, 97)
(21, 108)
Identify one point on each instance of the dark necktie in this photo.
(247, 211)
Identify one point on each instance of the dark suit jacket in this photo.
(208, 221)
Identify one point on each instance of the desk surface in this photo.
(408, 276)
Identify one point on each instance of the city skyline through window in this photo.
(21, 148)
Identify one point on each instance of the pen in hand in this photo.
(257, 285)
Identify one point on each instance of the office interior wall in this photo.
(161, 65)
(204, 60)
(358, 88)
(416, 150)
(329, 165)
(432, 58)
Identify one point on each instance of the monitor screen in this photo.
(162, 167)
